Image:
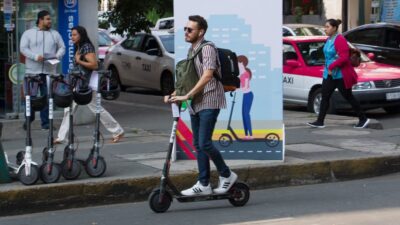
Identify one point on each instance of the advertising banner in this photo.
(251, 126)
(69, 17)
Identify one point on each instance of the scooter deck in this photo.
(196, 198)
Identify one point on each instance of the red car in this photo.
(303, 62)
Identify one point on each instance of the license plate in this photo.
(393, 96)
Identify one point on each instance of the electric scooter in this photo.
(28, 170)
(50, 172)
(160, 198)
(95, 165)
(70, 166)
(271, 139)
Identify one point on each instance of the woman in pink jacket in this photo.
(338, 73)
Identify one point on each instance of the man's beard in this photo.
(193, 40)
(47, 27)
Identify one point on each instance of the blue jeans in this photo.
(44, 113)
(246, 107)
(203, 124)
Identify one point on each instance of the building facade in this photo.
(352, 12)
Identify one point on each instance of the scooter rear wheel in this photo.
(240, 194)
(50, 177)
(70, 169)
(155, 205)
(93, 168)
(32, 178)
(272, 139)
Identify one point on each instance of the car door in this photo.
(149, 63)
(128, 57)
(292, 81)
(369, 40)
(392, 46)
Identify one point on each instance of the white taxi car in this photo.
(143, 60)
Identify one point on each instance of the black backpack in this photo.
(229, 68)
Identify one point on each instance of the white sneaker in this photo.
(197, 189)
(225, 183)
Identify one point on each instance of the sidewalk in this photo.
(337, 152)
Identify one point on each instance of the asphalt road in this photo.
(367, 202)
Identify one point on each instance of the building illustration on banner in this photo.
(251, 127)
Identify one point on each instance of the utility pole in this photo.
(345, 13)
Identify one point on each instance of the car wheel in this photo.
(314, 102)
(167, 83)
(115, 73)
(392, 109)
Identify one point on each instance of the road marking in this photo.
(261, 222)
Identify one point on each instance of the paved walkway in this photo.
(336, 152)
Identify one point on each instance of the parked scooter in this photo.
(28, 170)
(160, 198)
(82, 95)
(50, 172)
(107, 88)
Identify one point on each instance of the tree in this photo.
(132, 16)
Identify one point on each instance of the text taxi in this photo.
(303, 62)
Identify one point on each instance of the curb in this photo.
(70, 195)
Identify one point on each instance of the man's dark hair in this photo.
(41, 15)
(201, 22)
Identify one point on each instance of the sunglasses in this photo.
(188, 29)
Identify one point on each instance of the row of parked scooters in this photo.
(76, 89)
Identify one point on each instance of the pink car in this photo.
(303, 62)
(104, 41)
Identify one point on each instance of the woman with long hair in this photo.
(245, 77)
(338, 73)
(85, 60)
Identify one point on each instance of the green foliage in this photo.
(136, 16)
(103, 24)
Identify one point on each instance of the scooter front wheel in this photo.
(95, 168)
(156, 205)
(240, 194)
(225, 140)
(20, 157)
(45, 154)
(50, 173)
(31, 178)
(71, 169)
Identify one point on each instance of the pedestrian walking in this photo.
(205, 111)
(38, 45)
(338, 73)
(85, 60)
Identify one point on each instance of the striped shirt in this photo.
(213, 96)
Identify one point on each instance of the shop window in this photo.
(302, 7)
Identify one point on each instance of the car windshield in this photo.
(104, 39)
(168, 42)
(313, 54)
(308, 31)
